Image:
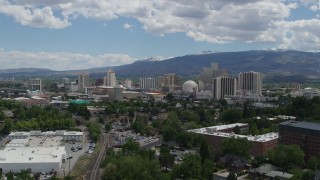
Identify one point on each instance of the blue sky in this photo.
(80, 34)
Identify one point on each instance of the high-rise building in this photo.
(224, 86)
(250, 83)
(128, 83)
(35, 84)
(83, 81)
(148, 84)
(110, 79)
(207, 75)
(170, 82)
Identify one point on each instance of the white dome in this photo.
(188, 86)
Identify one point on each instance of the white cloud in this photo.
(127, 26)
(215, 21)
(35, 17)
(61, 60)
(293, 5)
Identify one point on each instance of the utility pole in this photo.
(69, 166)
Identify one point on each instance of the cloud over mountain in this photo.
(61, 60)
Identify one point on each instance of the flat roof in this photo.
(217, 128)
(21, 133)
(302, 124)
(77, 133)
(17, 143)
(215, 131)
(31, 154)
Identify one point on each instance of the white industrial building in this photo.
(35, 159)
(36, 151)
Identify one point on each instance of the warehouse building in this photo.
(36, 151)
(35, 159)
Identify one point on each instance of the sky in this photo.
(82, 34)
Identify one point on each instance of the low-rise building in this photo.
(215, 135)
(35, 159)
(73, 135)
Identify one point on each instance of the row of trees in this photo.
(134, 163)
(36, 118)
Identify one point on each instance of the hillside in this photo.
(290, 63)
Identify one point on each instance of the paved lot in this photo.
(75, 156)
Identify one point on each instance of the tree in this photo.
(166, 159)
(8, 126)
(94, 130)
(169, 133)
(204, 150)
(10, 175)
(236, 146)
(132, 166)
(230, 116)
(232, 176)
(193, 168)
(130, 147)
(285, 155)
(254, 130)
(248, 111)
(313, 163)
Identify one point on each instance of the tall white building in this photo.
(110, 79)
(224, 86)
(35, 84)
(83, 81)
(128, 83)
(250, 83)
(148, 83)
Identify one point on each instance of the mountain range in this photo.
(287, 63)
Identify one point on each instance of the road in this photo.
(94, 172)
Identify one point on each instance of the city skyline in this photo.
(65, 35)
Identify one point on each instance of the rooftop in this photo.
(303, 124)
(215, 131)
(31, 154)
(76, 133)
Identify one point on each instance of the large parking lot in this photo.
(120, 137)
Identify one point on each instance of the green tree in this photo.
(254, 130)
(285, 155)
(231, 116)
(313, 163)
(236, 146)
(169, 133)
(193, 168)
(204, 150)
(8, 126)
(166, 159)
(94, 130)
(232, 176)
(132, 166)
(130, 147)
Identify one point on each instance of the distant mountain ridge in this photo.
(268, 62)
